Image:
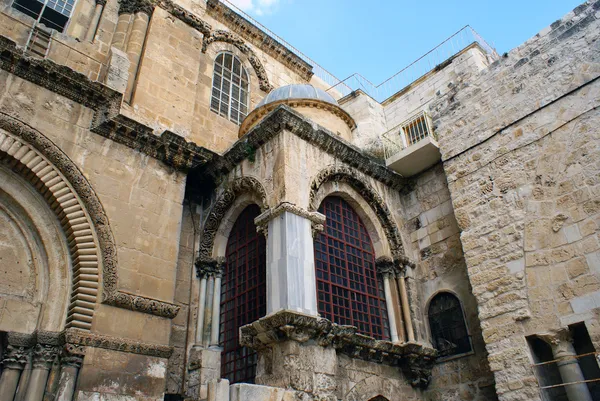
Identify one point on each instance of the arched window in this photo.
(230, 88)
(448, 328)
(243, 295)
(348, 289)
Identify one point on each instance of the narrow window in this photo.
(348, 289)
(243, 295)
(54, 14)
(448, 328)
(230, 88)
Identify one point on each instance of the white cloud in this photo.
(257, 7)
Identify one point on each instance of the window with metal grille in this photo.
(229, 96)
(243, 295)
(448, 328)
(416, 129)
(348, 289)
(54, 14)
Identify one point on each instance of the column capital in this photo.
(210, 267)
(44, 355)
(72, 355)
(386, 267)
(101, 2)
(136, 6)
(15, 357)
(317, 219)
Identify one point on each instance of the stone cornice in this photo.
(284, 118)
(169, 148)
(258, 38)
(264, 218)
(415, 359)
(185, 16)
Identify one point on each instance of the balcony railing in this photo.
(407, 133)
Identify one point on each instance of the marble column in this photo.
(135, 45)
(410, 333)
(291, 283)
(201, 307)
(568, 365)
(209, 272)
(91, 32)
(387, 270)
(216, 312)
(13, 363)
(70, 364)
(43, 357)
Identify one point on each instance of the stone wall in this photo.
(435, 239)
(419, 94)
(519, 145)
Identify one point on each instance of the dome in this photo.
(299, 91)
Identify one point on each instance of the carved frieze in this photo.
(228, 37)
(415, 359)
(349, 176)
(222, 205)
(82, 339)
(185, 16)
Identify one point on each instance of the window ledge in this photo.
(453, 357)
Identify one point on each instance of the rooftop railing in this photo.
(436, 56)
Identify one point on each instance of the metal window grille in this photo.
(348, 289)
(416, 128)
(448, 328)
(54, 14)
(550, 382)
(243, 295)
(230, 88)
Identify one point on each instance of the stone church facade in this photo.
(188, 211)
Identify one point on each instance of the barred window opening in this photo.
(349, 291)
(230, 88)
(448, 328)
(243, 295)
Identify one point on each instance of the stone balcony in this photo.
(411, 147)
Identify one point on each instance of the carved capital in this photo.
(417, 366)
(72, 355)
(15, 357)
(44, 356)
(209, 267)
(387, 267)
(313, 217)
(101, 2)
(136, 6)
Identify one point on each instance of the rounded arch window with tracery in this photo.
(243, 295)
(230, 88)
(349, 291)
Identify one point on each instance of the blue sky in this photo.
(379, 37)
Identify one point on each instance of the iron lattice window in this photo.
(243, 295)
(348, 289)
(448, 328)
(230, 88)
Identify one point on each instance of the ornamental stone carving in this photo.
(231, 38)
(317, 219)
(209, 267)
(222, 205)
(349, 176)
(87, 200)
(136, 6)
(44, 355)
(185, 16)
(15, 357)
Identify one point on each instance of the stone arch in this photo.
(462, 309)
(84, 222)
(374, 388)
(342, 174)
(229, 37)
(226, 205)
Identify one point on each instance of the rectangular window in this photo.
(416, 128)
(54, 14)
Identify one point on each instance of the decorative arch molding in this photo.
(350, 177)
(228, 37)
(213, 222)
(68, 193)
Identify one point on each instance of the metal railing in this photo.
(550, 382)
(407, 133)
(449, 47)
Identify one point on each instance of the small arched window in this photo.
(230, 88)
(448, 328)
(349, 292)
(243, 295)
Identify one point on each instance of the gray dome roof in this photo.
(299, 91)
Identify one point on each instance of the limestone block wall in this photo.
(419, 94)
(85, 44)
(520, 148)
(435, 237)
(142, 197)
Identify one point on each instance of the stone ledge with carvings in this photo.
(415, 360)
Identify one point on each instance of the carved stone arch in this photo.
(257, 66)
(369, 194)
(373, 388)
(85, 224)
(221, 207)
